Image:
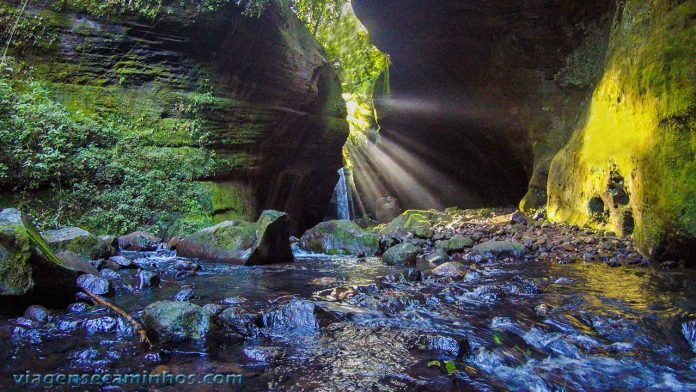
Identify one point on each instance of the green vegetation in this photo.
(359, 63)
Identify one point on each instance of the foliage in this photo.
(348, 47)
(91, 164)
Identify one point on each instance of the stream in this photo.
(352, 324)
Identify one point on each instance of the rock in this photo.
(340, 237)
(109, 274)
(387, 209)
(272, 240)
(415, 222)
(147, 279)
(78, 307)
(239, 321)
(689, 331)
(213, 309)
(122, 262)
(177, 322)
(402, 254)
(86, 245)
(443, 345)
(452, 269)
(29, 271)
(455, 244)
(139, 241)
(95, 285)
(437, 256)
(518, 218)
(186, 265)
(100, 325)
(37, 313)
(77, 263)
(495, 249)
(173, 242)
(294, 317)
(239, 242)
(184, 295)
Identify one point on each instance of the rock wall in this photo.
(631, 162)
(587, 106)
(257, 89)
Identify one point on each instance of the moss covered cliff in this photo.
(631, 162)
(168, 121)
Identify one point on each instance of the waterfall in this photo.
(341, 196)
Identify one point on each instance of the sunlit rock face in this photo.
(482, 93)
(258, 89)
(631, 162)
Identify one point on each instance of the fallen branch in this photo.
(138, 327)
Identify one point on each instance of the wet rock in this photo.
(495, 249)
(452, 269)
(239, 321)
(139, 241)
(415, 222)
(77, 263)
(335, 312)
(340, 237)
(100, 325)
(147, 279)
(543, 310)
(31, 273)
(184, 295)
(402, 254)
(387, 209)
(455, 244)
(37, 313)
(177, 322)
(78, 307)
(437, 256)
(83, 243)
(240, 242)
(688, 329)
(262, 354)
(95, 285)
(122, 262)
(233, 301)
(296, 317)
(213, 309)
(109, 274)
(443, 345)
(186, 265)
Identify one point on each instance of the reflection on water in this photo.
(518, 326)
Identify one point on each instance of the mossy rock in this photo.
(495, 249)
(177, 322)
(340, 237)
(29, 271)
(402, 254)
(81, 242)
(416, 222)
(263, 242)
(455, 244)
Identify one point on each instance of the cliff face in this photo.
(255, 93)
(580, 104)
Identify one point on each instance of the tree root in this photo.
(138, 327)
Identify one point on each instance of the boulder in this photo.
(29, 270)
(37, 313)
(452, 269)
(95, 285)
(120, 262)
(88, 246)
(340, 237)
(177, 322)
(437, 256)
(495, 249)
(263, 242)
(139, 241)
(77, 263)
(387, 209)
(295, 317)
(402, 254)
(418, 223)
(455, 244)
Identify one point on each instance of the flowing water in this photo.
(341, 196)
(525, 325)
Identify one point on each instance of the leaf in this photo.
(434, 363)
(450, 367)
